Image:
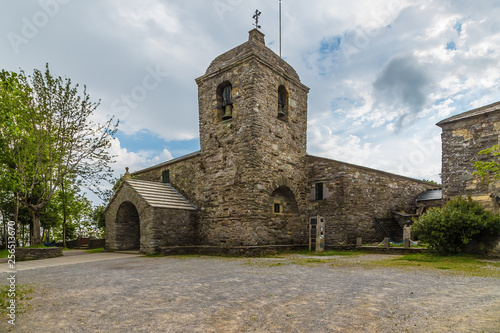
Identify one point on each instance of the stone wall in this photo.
(96, 243)
(248, 157)
(254, 161)
(132, 224)
(462, 140)
(41, 253)
(356, 196)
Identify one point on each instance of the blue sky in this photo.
(381, 73)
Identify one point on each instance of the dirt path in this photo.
(209, 294)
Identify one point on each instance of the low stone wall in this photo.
(246, 251)
(71, 244)
(96, 243)
(488, 247)
(42, 253)
(393, 250)
(250, 251)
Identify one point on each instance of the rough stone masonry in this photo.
(252, 183)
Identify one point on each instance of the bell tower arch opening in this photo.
(282, 103)
(128, 226)
(225, 100)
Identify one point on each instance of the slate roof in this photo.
(431, 195)
(256, 47)
(472, 113)
(160, 195)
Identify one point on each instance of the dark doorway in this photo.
(128, 227)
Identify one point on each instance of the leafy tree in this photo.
(98, 217)
(57, 138)
(50, 220)
(450, 228)
(488, 170)
(15, 98)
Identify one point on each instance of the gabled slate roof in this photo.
(160, 195)
(436, 194)
(472, 113)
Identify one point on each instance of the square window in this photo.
(277, 208)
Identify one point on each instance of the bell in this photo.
(228, 114)
(280, 111)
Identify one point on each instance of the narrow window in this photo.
(319, 191)
(282, 103)
(277, 208)
(227, 102)
(165, 176)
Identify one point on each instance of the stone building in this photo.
(252, 182)
(463, 137)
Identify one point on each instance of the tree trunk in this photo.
(35, 232)
(4, 229)
(64, 213)
(16, 216)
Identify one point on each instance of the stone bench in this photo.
(38, 253)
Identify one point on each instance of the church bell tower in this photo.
(253, 125)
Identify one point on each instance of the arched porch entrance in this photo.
(128, 227)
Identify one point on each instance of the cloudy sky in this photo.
(381, 73)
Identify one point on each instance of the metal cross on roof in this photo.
(256, 18)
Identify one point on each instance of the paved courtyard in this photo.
(290, 294)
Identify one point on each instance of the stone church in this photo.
(252, 184)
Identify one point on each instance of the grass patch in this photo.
(98, 250)
(23, 292)
(331, 253)
(461, 264)
(312, 261)
(4, 253)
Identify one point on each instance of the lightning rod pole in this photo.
(280, 28)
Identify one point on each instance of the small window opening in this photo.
(227, 102)
(282, 103)
(319, 191)
(277, 208)
(281, 106)
(165, 176)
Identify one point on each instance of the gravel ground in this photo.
(213, 294)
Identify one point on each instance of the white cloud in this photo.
(135, 161)
(108, 46)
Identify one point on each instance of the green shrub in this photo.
(450, 228)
